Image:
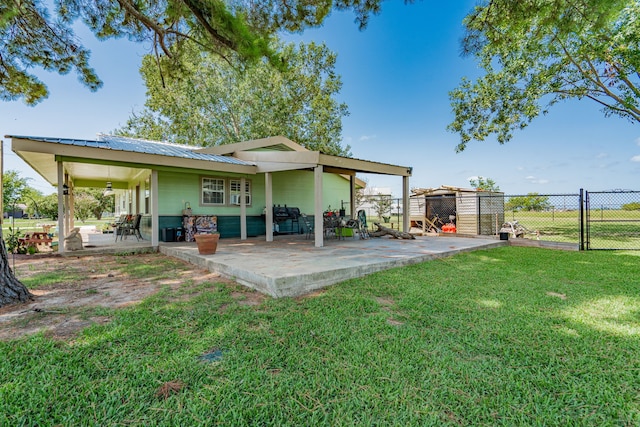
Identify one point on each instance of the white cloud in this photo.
(638, 141)
(533, 180)
(602, 156)
(367, 137)
(635, 158)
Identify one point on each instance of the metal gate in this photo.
(612, 220)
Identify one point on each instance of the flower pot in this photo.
(207, 243)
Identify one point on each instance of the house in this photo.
(159, 180)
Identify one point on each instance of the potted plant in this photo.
(207, 242)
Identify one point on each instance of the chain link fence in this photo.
(612, 219)
(591, 220)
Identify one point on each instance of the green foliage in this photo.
(40, 34)
(91, 202)
(633, 206)
(509, 336)
(13, 188)
(486, 184)
(530, 202)
(48, 206)
(382, 205)
(546, 51)
(12, 241)
(210, 102)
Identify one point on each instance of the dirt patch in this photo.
(78, 285)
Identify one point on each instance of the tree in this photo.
(48, 206)
(633, 206)
(530, 202)
(13, 188)
(484, 184)
(213, 103)
(92, 202)
(536, 52)
(382, 205)
(35, 35)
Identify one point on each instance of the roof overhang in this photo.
(273, 143)
(296, 160)
(89, 163)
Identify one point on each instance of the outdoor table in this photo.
(33, 238)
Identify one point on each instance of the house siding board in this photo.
(178, 188)
(295, 189)
(228, 226)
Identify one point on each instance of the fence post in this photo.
(582, 219)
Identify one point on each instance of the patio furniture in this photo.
(306, 225)
(131, 227)
(362, 224)
(35, 238)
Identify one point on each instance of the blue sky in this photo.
(396, 77)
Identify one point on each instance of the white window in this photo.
(213, 192)
(234, 191)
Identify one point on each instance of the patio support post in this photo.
(352, 194)
(61, 207)
(268, 189)
(243, 209)
(155, 231)
(71, 205)
(318, 223)
(405, 204)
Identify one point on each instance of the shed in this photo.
(473, 211)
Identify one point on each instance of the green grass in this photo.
(509, 336)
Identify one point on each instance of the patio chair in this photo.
(130, 228)
(307, 226)
(363, 228)
(135, 227)
(122, 226)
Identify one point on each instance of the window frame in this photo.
(247, 190)
(226, 190)
(215, 191)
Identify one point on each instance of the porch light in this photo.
(65, 190)
(108, 191)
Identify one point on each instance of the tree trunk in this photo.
(383, 231)
(11, 289)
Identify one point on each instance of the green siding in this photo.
(296, 188)
(228, 226)
(176, 189)
(291, 188)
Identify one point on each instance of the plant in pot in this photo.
(207, 242)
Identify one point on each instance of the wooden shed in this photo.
(474, 212)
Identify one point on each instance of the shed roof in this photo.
(447, 189)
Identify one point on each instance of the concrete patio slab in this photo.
(292, 266)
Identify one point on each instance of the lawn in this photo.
(508, 336)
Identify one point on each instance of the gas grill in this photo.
(283, 216)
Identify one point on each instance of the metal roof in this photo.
(134, 145)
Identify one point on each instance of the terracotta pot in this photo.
(207, 243)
